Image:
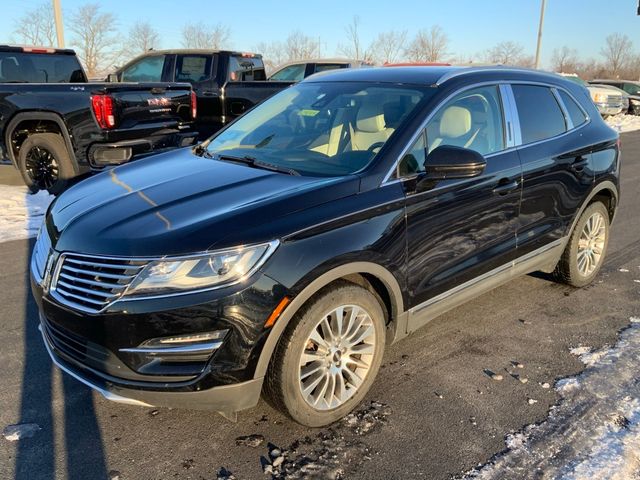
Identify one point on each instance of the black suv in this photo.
(283, 254)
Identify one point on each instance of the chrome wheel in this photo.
(337, 357)
(591, 244)
(42, 168)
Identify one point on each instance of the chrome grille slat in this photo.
(97, 293)
(90, 283)
(112, 276)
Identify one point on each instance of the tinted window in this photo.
(39, 68)
(632, 88)
(246, 69)
(472, 119)
(539, 112)
(193, 68)
(323, 67)
(292, 73)
(575, 112)
(413, 161)
(148, 69)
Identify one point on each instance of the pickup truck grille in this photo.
(89, 283)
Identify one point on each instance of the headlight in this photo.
(202, 271)
(599, 98)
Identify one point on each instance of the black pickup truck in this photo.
(226, 83)
(55, 126)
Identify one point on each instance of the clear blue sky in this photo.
(472, 25)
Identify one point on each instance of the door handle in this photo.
(505, 186)
(579, 164)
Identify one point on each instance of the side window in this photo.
(413, 161)
(323, 67)
(246, 69)
(575, 112)
(632, 88)
(193, 68)
(292, 73)
(472, 119)
(149, 69)
(540, 115)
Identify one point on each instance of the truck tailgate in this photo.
(137, 104)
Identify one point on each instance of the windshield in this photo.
(323, 129)
(39, 68)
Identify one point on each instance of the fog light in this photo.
(181, 348)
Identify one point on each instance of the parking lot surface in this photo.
(432, 413)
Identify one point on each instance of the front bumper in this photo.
(609, 108)
(225, 399)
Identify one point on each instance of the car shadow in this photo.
(63, 410)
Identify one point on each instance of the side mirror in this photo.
(453, 162)
(112, 78)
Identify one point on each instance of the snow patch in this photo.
(593, 433)
(624, 123)
(13, 433)
(22, 213)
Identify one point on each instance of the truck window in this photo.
(148, 69)
(193, 68)
(40, 68)
(323, 67)
(292, 73)
(246, 69)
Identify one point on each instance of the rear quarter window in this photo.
(575, 112)
(540, 115)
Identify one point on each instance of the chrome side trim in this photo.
(567, 118)
(105, 393)
(513, 114)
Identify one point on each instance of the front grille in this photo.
(92, 283)
(40, 254)
(614, 100)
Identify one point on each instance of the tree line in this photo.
(101, 46)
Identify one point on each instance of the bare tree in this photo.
(506, 53)
(273, 55)
(565, 60)
(388, 47)
(142, 37)
(299, 46)
(200, 35)
(37, 26)
(617, 52)
(429, 46)
(353, 48)
(94, 38)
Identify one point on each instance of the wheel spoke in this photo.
(310, 369)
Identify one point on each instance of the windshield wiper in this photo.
(254, 162)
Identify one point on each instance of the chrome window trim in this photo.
(511, 112)
(389, 178)
(567, 118)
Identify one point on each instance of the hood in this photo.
(178, 203)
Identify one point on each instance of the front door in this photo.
(460, 229)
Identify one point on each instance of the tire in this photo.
(572, 268)
(45, 163)
(284, 382)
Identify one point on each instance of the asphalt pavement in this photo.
(432, 412)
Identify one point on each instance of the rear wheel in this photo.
(584, 254)
(45, 164)
(329, 356)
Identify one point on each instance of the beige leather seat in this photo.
(370, 127)
(455, 128)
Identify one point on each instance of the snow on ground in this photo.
(624, 123)
(21, 213)
(593, 433)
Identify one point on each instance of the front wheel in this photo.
(329, 356)
(584, 254)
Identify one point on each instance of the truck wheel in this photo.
(584, 254)
(328, 356)
(45, 164)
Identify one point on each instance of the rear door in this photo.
(557, 169)
(200, 71)
(461, 229)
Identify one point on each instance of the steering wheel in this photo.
(376, 145)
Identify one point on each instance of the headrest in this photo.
(370, 119)
(456, 121)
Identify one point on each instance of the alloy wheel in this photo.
(591, 244)
(337, 357)
(41, 167)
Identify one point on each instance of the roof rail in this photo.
(465, 70)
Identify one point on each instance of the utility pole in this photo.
(539, 47)
(57, 14)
